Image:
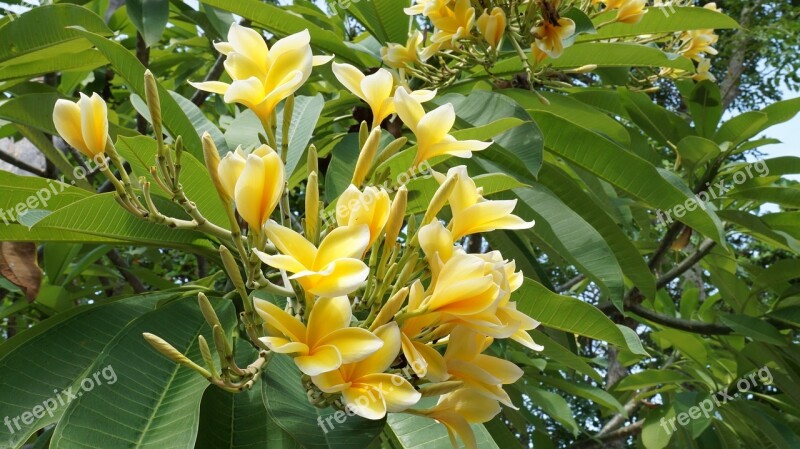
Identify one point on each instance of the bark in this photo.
(736, 66)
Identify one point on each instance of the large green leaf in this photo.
(662, 125)
(63, 349)
(156, 402)
(284, 23)
(625, 170)
(100, 215)
(310, 426)
(663, 19)
(126, 64)
(304, 119)
(149, 17)
(384, 19)
(575, 239)
(44, 28)
(631, 262)
(239, 420)
(568, 314)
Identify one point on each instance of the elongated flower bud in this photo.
(169, 351)
(312, 208)
(390, 309)
(211, 157)
(366, 157)
(153, 101)
(440, 198)
(207, 310)
(205, 352)
(313, 160)
(83, 124)
(396, 215)
(232, 268)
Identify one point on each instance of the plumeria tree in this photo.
(390, 225)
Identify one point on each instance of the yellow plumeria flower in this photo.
(436, 243)
(452, 24)
(366, 389)
(549, 37)
(333, 269)
(472, 213)
(326, 343)
(486, 374)
(431, 129)
(703, 71)
(262, 76)
(399, 56)
(631, 11)
(696, 43)
(370, 207)
(492, 25)
(462, 287)
(375, 89)
(457, 410)
(83, 124)
(254, 181)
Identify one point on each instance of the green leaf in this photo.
(662, 19)
(44, 29)
(649, 378)
(741, 127)
(572, 109)
(239, 420)
(695, 151)
(149, 17)
(625, 170)
(284, 23)
(310, 426)
(594, 394)
(555, 406)
(126, 64)
(631, 262)
(705, 105)
(569, 314)
(753, 327)
(384, 19)
(416, 432)
(573, 238)
(304, 119)
(69, 343)
(156, 400)
(108, 219)
(660, 124)
(553, 351)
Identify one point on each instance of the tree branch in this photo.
(5, 157)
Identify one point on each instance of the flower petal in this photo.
(355, 344)
(381, 359)
(408, 108)
(365, 401)
(67, 120)
(328, 315)
(321, 360)
(216, 87)
(276, 317)
(284, 346)
(350, 77)
(94, 123)
(345, 276)
(291, 243)
(330, 382)
(342, 242)
(397, 392)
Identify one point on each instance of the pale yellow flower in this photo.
(549, 38)
(457, 410)
(486, 374)
(376, 90)
(326, 343)
(462, 287)
(262, 76)
(472, 213)
(366, 388)
(703, 71)
(254, 181)
(452, 24)
(83, 124)
(399, 56)
(492, 25)
(370, 207)
(333, 269)
(631, 11)
(432, 129)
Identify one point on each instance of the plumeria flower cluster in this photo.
(464, 36)
(378, 308)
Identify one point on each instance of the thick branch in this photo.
(5, 157)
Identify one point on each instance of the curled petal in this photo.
(321, 360)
